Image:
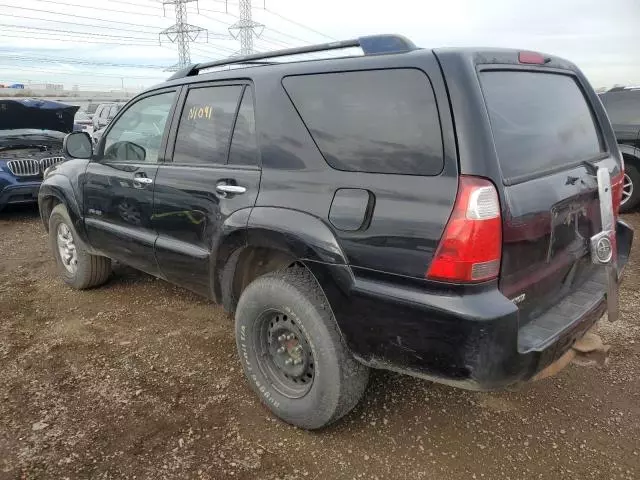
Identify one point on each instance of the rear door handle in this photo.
(235, 189)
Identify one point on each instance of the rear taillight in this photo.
(471, 246)
(617, 183)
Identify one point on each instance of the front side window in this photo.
(137, 135)
(205, 125)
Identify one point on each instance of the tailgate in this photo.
(549, 147)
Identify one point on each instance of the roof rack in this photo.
(370, 45)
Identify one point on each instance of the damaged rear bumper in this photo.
(473, 341)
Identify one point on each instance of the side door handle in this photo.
(140, 180)
(225, 189)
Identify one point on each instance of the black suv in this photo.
(445, 213)
(623, 106)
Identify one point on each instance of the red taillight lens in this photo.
(471, 246)
(531, 57)
(617, 183)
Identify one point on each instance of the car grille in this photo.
(47, 162)
(24, 168)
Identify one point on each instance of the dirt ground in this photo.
(140, 379)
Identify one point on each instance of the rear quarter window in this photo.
(377, 121)
(540, 121)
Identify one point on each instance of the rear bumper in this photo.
(19, 194)
(470, 340)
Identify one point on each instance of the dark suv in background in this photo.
(446, 213)
(623, 107)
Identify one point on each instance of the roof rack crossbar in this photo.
(370, 45)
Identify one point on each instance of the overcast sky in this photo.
(600, 36)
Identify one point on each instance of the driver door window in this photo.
(137, 135)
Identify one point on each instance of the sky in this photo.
(113, 44)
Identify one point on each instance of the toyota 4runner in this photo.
(447, 213)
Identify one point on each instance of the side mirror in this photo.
(78, 145)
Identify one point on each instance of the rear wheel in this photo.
(630, 188)
(292, 352)
(77, 268)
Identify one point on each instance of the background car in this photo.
(31, 136)
(91, 109)
(82, 122)
(623, 107)
(105, 113)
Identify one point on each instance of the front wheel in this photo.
(292, 352)
(76, 266)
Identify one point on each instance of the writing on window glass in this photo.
(198, 112)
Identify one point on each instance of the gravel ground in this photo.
(140, 379)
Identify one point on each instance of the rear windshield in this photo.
(540, 121)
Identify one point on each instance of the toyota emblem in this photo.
(604, 250)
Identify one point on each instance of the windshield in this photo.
(540, 121)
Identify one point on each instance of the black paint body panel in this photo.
(368, 252)
(189, 216)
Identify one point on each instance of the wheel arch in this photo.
(275, 238)
(56, 190)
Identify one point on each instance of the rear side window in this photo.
(205, 125)
(540, 121)
(623, 107)
(378, 121)
(244, 146)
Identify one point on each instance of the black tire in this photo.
(338, 380)
(631, 171)
(91, 270)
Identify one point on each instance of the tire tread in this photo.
(93, 270)
(354, 376)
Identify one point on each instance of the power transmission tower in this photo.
(245, 28)
(181, 32)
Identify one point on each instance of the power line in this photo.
(73, 61)
(263, 36)
(4, 14)
(235, 16)
(92, 7)
(209, 55)
(74, 16)
(72, 32)
(208, 48)
(88, 74)
(155, 3)
(32, 36)
(299, 24)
